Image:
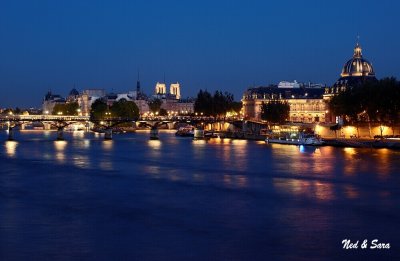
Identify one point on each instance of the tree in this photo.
(373, 101)
(204, 103)
(163, 112)
(72, 108)
(275, 111)
(125, 109)
(155, 105)
(237, 106)
(66, 108)
(215, 105)
(98, 109)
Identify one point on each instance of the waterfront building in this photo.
(306, 104)
(86, 99)
(50, 100)
(175, 106)
(73, 95)
(356, 71)
(172, 102)
(309, 102)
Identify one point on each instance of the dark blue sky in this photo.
(228, 45)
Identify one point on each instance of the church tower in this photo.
(175, 89)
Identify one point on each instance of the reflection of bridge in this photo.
(61, 121)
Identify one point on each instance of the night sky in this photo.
(226, 45)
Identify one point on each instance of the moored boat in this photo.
(310, 139)
(294, 135)
(187, 131)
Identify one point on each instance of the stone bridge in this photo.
(107, 124)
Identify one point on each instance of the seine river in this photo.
(179, 199)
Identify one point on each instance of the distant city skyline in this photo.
(223, 45)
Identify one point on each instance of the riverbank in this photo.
(335, 142)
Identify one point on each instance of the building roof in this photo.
(73, 92)
(273, 92)
(356, 71)
(357, 65)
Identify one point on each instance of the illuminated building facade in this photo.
(175, 89)
(308, 103)
(355, 72)
(161, 89)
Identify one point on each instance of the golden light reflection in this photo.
(81, 161)
(11, 148)
(78, 134)
(351, 192)
(350, 167)
(310, 189)
(242, 181)
(60, 146)
(383, 168)
(154, 144)
(86, 143)
(199, 142)
(239, 142)
(324, 191)
(293, 186)
(107, 144)
(350, 151)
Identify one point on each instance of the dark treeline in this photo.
(372, 102)
(70, 108)
(216, 105)
(119, 109)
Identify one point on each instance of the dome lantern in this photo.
(357, 51)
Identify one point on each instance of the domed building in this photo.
(355, 71)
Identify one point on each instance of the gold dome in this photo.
(357, 66)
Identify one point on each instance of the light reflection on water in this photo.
(107, 145)
(323, 191)
(60, 146)
(310, 171)
(11, 148)
(187, 189)
(82, 161)
(154, 144)
(351, 192)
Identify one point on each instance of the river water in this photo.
(179, 199)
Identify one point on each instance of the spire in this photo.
(138, 83)
(357, 49)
